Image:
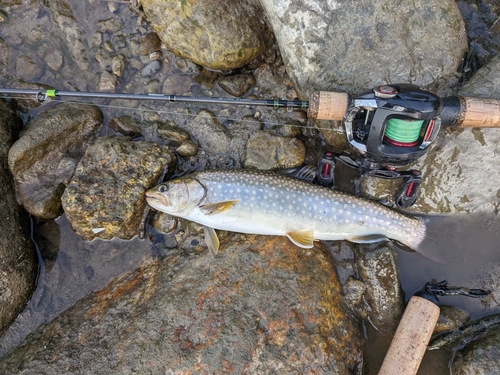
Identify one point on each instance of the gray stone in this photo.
(187, 148)
(105, 197)
(378, 269)
(126, 125)
(214, 34)
(118, 64)
(44, 159)
(353, 46)
(151, 69)
(64, 18)
(107, 82)
(480, 357)
(17, 252)
(261, 306)
(149, 43)
(237, 85)
(28, 69)
(266, 151)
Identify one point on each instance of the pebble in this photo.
(117, 64)
(107, 82)
(151, 69)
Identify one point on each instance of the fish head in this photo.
(176, 197)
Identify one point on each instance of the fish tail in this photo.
(418, 236)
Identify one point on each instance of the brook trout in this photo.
(256, 202)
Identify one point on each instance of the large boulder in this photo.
(214, 34)
(105, 198)
(44, 159)
(261, 306)
(17, 251)
(355, 45)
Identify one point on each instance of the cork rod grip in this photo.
(411, 338)
(479, 113)
(324, 105)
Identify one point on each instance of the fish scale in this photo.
(268, 203)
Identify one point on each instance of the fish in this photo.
(269, 203)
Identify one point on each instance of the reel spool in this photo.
(393, 124)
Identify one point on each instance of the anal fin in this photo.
(212, 240)
(302, 238)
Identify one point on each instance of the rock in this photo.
(149, 43)
(126, 125)
(117, 64)
(481, 357)
(352, 47)
(176, 85)
(5, 54)
(28, 69)
(54, 60)
(105, 197)
(64, 18)
(107, 82)
(261, 306)
(187, 148)
(265, 151)
(44, 159)
(237, 85)
(450, 317)
(206, 78)
(17, 252)
(211, 135)
(483, 83)
(151, 69)
(383, 298)
(213, 34)
(171, 134)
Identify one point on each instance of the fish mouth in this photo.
(155, 199)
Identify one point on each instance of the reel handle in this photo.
(325, 105)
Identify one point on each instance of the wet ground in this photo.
(465, 245)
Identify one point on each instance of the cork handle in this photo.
(324, 105)
(480, 113)
(411, 338)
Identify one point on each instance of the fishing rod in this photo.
(390, 126)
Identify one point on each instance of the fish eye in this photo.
(162, 188)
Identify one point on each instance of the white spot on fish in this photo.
(98, 230)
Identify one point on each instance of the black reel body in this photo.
(393, 125)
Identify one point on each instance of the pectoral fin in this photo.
(302, 238)
(217, 207)
(368, 239)
(212, 240)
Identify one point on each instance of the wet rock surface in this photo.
(44, 159)
(105, 197)
(266, 151)
(17, 251)
(327, 55)
(261, 306)
(215, 37)
(480, 357)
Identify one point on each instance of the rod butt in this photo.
(479, 113)
(411, 338)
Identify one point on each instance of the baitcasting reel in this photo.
(392, 126)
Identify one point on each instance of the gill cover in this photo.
(180, 195)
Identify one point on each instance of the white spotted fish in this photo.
(256, 202)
